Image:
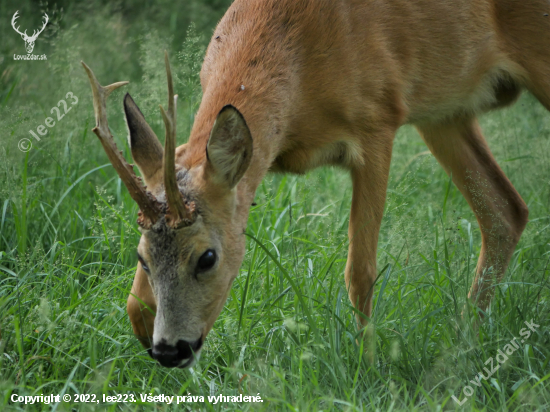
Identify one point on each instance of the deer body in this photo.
(324, 82)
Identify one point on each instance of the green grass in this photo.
(68, 239)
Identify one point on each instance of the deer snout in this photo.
(182, 354)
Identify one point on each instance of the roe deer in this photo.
(290, 85)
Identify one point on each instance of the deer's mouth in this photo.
(191, 361)
(181, 355)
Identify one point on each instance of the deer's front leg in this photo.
(369, 195)
(142, 316)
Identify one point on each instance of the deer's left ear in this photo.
(229, 148)
(147, 151)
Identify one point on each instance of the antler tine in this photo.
(178, 214)
(35, 33)
(150, 209)
(14, 18)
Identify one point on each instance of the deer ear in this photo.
(147, 151)
(229, 148)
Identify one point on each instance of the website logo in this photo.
(29, 40)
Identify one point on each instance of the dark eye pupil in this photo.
(143, 265)
(207, 260)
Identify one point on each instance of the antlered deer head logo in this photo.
(29, 40)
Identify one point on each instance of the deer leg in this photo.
(501, 213)
(367, 207)
(142, 314)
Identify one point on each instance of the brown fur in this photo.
(330, 81)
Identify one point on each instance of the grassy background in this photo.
(68, 239)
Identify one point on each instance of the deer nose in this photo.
(180, 354)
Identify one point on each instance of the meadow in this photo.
(68, 242)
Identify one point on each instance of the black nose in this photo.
(172, 356)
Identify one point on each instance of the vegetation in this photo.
(68, 239)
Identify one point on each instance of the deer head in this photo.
(29, 40)
(190, 247)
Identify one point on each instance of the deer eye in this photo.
(143, 265)
(207, 260)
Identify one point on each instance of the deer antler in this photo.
(35, 34)
(15, 17)
(150, 208)
(179, 213)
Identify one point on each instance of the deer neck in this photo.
(264, 111)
